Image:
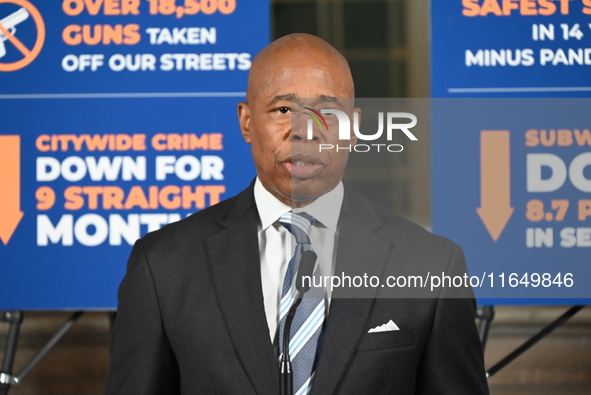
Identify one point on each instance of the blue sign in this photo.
(511, 178)
(511, 183)
(117, 118)
(496, 48)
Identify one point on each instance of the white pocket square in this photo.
(390, 326)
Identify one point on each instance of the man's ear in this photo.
(244, 120)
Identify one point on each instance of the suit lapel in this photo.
(235, 265)
(359, 251)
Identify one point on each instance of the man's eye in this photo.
(283, 110)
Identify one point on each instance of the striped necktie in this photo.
(307, 327)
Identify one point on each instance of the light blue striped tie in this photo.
(307, 327)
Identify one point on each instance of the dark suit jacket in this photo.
(191, 318)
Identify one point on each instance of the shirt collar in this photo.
(326, 209)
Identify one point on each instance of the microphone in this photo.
(306, 269)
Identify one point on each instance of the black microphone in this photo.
(306, 269)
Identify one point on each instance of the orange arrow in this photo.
(495, 181)
(10, 186)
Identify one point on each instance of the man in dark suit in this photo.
(198, 307)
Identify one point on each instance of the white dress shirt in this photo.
(276, 244)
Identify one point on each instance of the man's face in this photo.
(288, 164)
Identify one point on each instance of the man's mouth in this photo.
(303, 166)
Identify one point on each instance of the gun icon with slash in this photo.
(9, 23)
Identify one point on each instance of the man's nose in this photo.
(300, 130)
